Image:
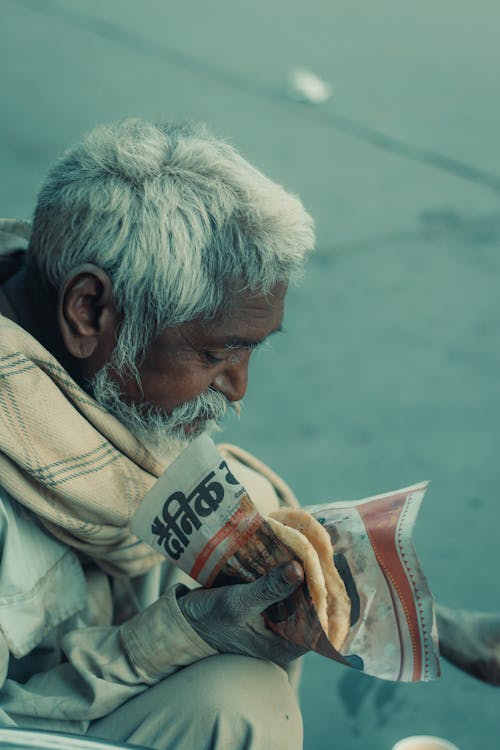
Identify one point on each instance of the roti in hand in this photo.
(312, 544)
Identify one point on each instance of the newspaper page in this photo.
(202, 519)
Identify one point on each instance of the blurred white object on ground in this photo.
(424, 742)
(309, 87)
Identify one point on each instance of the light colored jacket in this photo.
(75, 643)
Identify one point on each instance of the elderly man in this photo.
(158, 260)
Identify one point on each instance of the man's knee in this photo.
(244, 703)
(224, 701)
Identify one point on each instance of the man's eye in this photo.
(214, 357)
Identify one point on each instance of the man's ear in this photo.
(87, 315)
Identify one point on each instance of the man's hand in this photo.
(229, 618)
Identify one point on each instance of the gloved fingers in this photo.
(275, 586)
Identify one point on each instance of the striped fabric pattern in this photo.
(67, 460)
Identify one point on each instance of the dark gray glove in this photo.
(230, 618)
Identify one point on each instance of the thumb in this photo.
(275, 586)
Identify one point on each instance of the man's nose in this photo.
(233, 380)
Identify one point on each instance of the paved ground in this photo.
(389, 371)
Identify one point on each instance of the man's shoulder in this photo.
(14, 238)
(14, 235)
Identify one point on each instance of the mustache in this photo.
(208, 406)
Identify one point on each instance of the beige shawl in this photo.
(63, 457)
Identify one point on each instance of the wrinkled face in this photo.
(193, 371)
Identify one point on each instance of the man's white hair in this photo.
(175, 216)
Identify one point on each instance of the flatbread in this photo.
(338, 604)
(312, 566)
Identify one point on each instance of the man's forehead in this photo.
(252, 318)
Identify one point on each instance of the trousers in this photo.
(224, 702)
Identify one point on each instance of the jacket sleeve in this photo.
(105, 667)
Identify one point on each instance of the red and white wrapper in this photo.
(202, 519)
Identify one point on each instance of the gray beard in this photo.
(164, 435)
